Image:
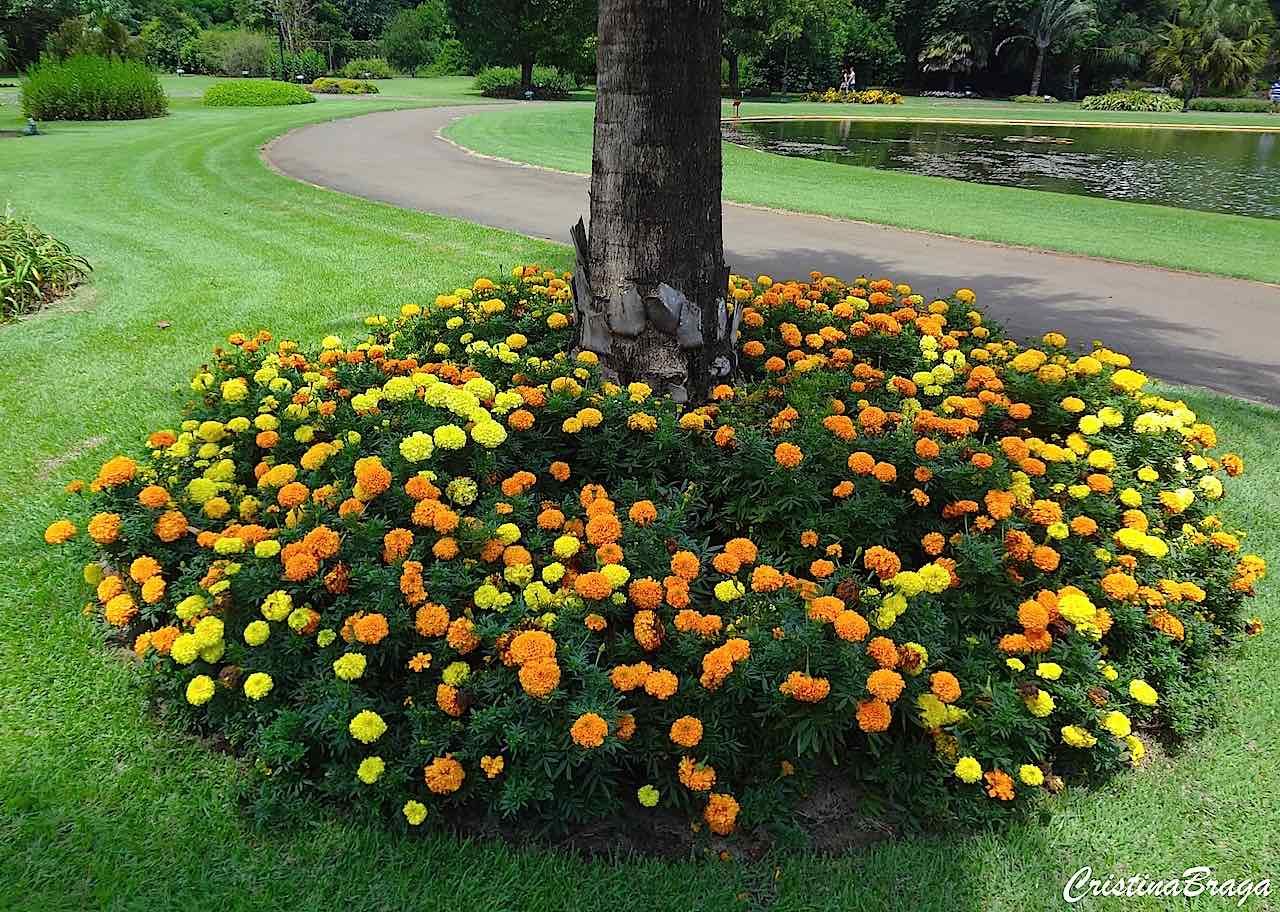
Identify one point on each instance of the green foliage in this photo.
(1236, 105)
(501, 32)
(504, 82)
(453, 60)
(414, 37)
(1136, 100)
(97, 35)
(366, 68)
(309, 64)
(165, 36)
(227, 52)
(1212, 43)
(329, 86)
(92, 88)
(246, 93)
(35, 267)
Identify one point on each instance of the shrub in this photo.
(1131, 101)
(453, 60)
(863, 96)
(367, 68)
(504, 82)
(329, 86)
(92, 88)
(1236, 105)
(248, 93)
(309, 64)
(35, 267)
(413, 36)
(229, 52)
(1034, 99)
(447, 566)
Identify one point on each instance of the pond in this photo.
(1213, 170)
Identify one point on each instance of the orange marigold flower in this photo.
(647, 629)
(104, 528)
(444, 775)
(153, 497)
(117, 470)
(603, 528)
(944, 686)
(883, 652)
(721, 814)
(787, 455)
(695, 776)
(448, 699)
(766, 579)
(800, 686)
(59, 532)
(661, 684)
(626, 727)
(874, 715)
(396, 545)
(825, 609)
(881, 561)
(686, 731)
(885, 684)
(685, 564)
(851, 626)
(645, 593)
(594, 586)
(589, 730)
(462, 635)
(559, 471)
(642, 512)
(999, 784)
(539, 677)
(371, 629)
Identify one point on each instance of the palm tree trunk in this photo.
(651, 302)
(1038, 72)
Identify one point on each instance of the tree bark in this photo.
(1038, 72)
(651, 283)
(734, 74)
(526, 75)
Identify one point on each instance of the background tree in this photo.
(1213, 43)
(523, 32)
(413, 37)
(1048, 22)
(742, 30)
(651, 280)
(951, 53)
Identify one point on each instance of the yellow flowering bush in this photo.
(449, 567)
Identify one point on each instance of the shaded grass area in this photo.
(559, 136)
(104, 807)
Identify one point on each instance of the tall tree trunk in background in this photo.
(735, 60)
(651, 282)
(1038, 71)
(526, 75)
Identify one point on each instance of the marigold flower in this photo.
(686, 731)
(444, 775)
(721, 814)
(874, 716)
(589, 730)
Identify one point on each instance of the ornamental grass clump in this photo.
(449, 569)
(86, 87)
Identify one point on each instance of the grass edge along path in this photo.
(558, 136)
(103, 806)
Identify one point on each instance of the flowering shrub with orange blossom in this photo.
(450, 568)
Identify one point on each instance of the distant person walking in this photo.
(850, 81)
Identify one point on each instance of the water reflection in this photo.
(1217, 171)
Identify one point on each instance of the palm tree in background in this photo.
(1216, 43)
(951, 53)
(1046, 23)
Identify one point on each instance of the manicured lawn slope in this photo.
(102, 807)
(559, 136)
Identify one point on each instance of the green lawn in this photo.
(559, 136)
(102, 807)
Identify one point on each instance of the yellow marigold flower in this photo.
(968, 769)
(370, 770)
(349, 666)
(367, 726)
(648, 796)
(1143, 692)
(1031, 774)
(200, 690)
(415, 812)
(258, 685)
(1075, 736)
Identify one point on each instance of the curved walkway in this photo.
(1208, 331)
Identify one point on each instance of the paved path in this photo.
(1201, 330)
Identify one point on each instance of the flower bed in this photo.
(447, 568)
(865, 96)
